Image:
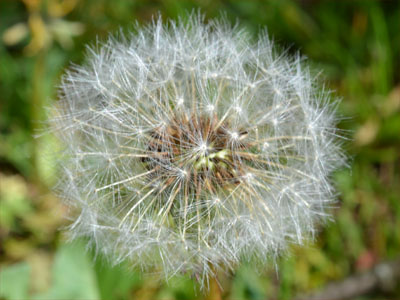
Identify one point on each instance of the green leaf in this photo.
(73, 275)
(115, 282)
(248, 285)
(14, 281)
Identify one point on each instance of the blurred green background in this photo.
(355, 43)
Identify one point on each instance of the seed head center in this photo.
(210, 164)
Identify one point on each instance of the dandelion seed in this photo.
(190, 148)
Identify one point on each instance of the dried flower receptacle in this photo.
(201, 148)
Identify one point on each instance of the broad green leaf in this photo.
(115, 282)
(73, 276)
(14, 281)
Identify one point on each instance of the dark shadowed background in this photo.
(356, 44)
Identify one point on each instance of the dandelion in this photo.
(190, 148)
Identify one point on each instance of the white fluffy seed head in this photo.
(188, 147)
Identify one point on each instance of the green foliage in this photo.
(355, 43)
(248, 285)
(115, 282)
(15, 281)
(73, 276)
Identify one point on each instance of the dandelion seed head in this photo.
(188, 145)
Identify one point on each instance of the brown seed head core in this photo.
(202, 148)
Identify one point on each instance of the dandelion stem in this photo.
(214, 291)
